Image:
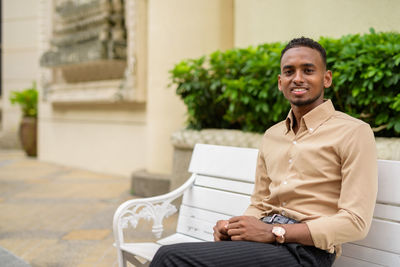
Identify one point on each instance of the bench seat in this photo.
(220, 187)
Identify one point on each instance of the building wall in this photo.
(122, 138)
(259, 21)
(104, 138)
(19, 62)
(178, 29)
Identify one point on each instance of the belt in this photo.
(277, 218)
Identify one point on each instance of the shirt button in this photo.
(311, 130)
(284, 182)
(290, 161)
(294, 142)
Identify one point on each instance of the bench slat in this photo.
(200, 214)
(345, 261)
(370, 255)
(216, 200)
(144, 250)
(190, 216)
(389, 179)
(383, 235)
(225, 184)
(229, 162)
(177, 238)
(196, 228)
(387, 212)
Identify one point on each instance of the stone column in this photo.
(178, 29)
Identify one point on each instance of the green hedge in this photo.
(237, 89)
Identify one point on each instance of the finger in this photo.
(218, 235)
(221, 237)
(224, 230)
(216, 238)
(236, 238)
(234, 232)
(222, 226)
(234, 225)
(235, 219)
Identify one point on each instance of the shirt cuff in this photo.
(319, 236)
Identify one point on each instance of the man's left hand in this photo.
(249, 228)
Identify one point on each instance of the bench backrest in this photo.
(225, 181)
(381, 247)
(222, 189)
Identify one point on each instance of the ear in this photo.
(328, 79)
(279, 82)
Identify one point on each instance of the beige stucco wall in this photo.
(124, 138)
(96, 135)
(103, 138)
(178, 29)
(19, 63)
(258, 21)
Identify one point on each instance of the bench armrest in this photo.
(153, 208)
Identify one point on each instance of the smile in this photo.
(299, 91)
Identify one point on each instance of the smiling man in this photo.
(315, 185)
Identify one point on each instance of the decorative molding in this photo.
(148, 211)
(153, 208)
(97, 92)
(93, 80)
(129, 80)
(45, 28)
(85, 31)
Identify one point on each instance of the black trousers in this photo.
(241, 253)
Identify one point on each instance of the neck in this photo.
(300, 111)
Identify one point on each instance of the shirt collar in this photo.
(314, 118)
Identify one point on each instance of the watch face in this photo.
(278, 231)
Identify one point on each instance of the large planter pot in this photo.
(28, 135)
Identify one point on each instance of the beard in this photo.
(305, 102)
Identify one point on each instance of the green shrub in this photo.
(237, 89)
(27, 99)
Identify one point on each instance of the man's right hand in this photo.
(221, 230)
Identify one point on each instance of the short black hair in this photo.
(306, 42)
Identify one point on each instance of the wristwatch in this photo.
(279, 233)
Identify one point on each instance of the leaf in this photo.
(237, 88)
(397, 126)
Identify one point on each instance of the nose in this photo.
(298, 77)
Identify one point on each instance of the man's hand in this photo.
(221, 231)
(250, 228)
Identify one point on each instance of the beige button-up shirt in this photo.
(325, 175)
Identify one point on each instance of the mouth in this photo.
(299, 90)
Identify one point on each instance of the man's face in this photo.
(303, 77)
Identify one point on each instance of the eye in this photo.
(288, 72)
(308, 71)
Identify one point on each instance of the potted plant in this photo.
(27, 99)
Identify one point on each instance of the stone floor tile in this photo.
(88, 234)
(56, 216)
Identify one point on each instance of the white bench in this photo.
(220, 187)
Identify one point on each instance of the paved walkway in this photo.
(52, 215)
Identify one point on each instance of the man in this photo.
(315, 184)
